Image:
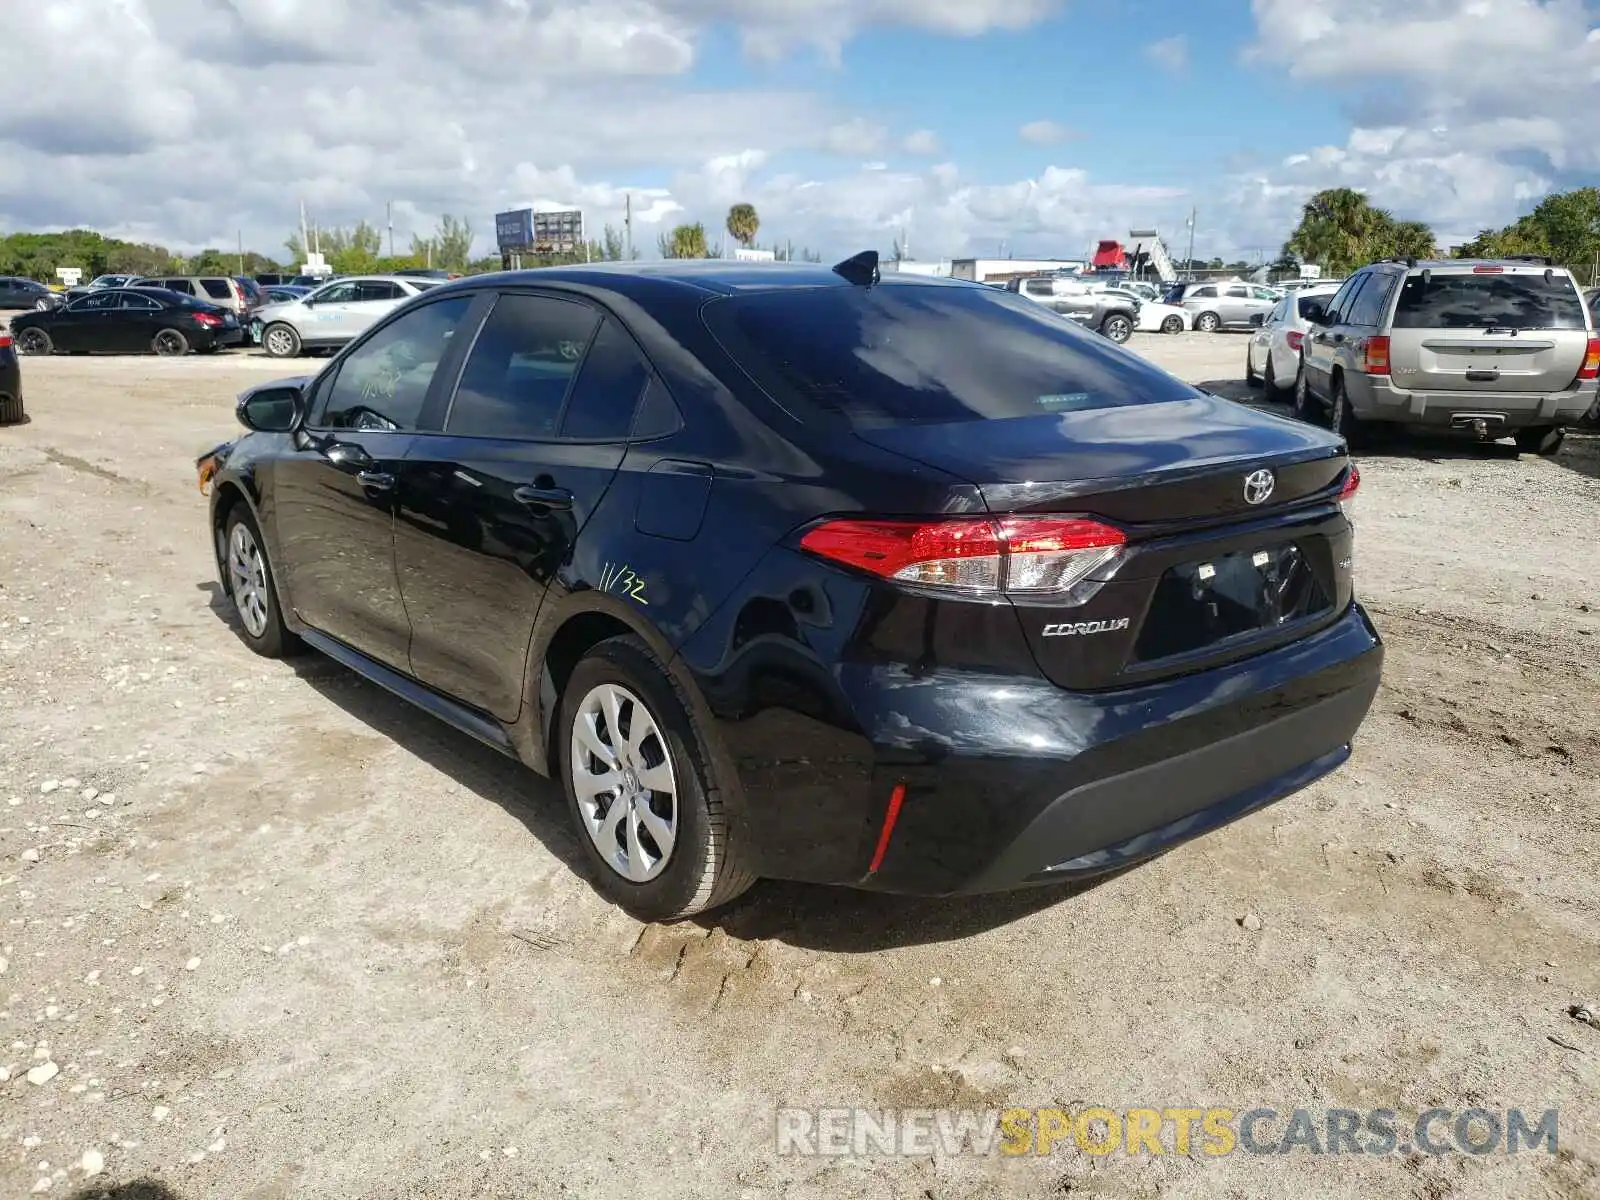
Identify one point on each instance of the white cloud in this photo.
(1044, 133)
(855, 138)
(1171, 54)
(922, 141)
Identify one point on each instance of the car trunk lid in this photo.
(1235, 540)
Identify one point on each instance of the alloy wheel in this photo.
(623, 780)
(247, 570)
(169, 343)
(278, 342)
(33, 341)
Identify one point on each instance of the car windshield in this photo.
(928, 353)
(1485, 301)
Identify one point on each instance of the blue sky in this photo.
(843, 121)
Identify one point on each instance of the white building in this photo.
(985, 270)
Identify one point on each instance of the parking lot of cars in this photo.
(220, 868)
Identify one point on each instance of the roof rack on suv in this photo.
(1542, 259)
(1408, 260)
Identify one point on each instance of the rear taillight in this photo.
(1488, 270)
(1375, 355)
(1349, 488)
(1591, 360)
(5, 340)
(1031, 557)
(1295, 339)
(208, 320)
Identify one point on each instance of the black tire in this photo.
(1118, 327)
(1172, 324)
(1208, 322)
(705, 866)
(1251, 379)
(1269, 381)
(33, 340)
(170, 343)
(271, 638)
(11, 410)
(1544, 440)
(279, 340)
(1342, 418)
(1306, 407)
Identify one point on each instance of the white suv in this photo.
(336, 313)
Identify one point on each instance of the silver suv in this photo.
(1504, 348)
(332, 315)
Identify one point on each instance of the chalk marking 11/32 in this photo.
(619, 580)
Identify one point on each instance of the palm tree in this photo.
(1340, 230)
(687, 241)
(743, 223)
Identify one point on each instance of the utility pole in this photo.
(239, 233)
(627, 223)
(388, 217)
(1189, 263)
(305, 241)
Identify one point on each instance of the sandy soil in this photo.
(284, 936)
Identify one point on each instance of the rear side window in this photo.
(516, 378)
(1368, 307)
(1202, 293)
(926, 353)
(378, 289)
(182, 286)
(1521, 301)
(217, 289)
(608, 387)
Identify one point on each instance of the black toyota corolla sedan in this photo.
(808, 573)
(130, 319)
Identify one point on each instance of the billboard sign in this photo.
(746, 254)
(514, 230)
(558, 232)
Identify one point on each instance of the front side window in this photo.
(335, 293)
(515, 381)
(99, 302)
(383, 382)
(1202, 293)
(181, 286)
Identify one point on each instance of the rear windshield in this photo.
(1522, 301)
(925, 353)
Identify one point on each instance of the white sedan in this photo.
(1154, 316)
(1272, 359)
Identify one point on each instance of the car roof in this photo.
(710, 276)
(1467, 265)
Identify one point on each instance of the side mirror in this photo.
(271, 408)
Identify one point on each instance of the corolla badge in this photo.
(1258, 486)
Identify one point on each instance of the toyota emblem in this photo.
(1258, 486)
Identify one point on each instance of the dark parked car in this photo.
(16, 292)
(11, 410)
(903, 584)
(128, 319)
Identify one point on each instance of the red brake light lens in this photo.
(208, 320)
(1375, 356)
(979, 556)
(5, 340)
(1352, 485)
(1488, 270)
(1295, 339)
(1591, 360)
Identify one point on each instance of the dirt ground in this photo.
(281, 935)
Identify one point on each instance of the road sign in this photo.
(71, 276)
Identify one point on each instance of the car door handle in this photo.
(347, 454)
(544, 497)
(376, 481)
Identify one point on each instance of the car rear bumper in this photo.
(1010, 782)
(1378, 399)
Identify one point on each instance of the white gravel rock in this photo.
(92, 1162)
(43, 1073)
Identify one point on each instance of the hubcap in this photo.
(247, 571)
(622, 776)
(167, 343)
(278, 342)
